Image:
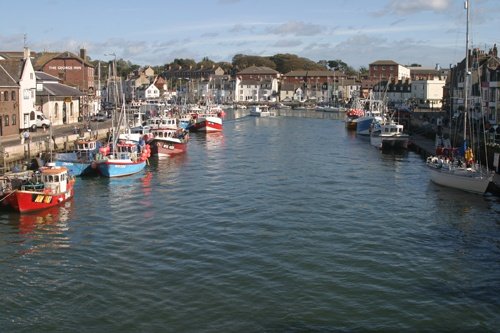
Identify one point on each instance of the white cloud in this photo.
(414, 6)
(296, 28)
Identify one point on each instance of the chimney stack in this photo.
(83, 54)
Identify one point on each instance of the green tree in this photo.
(289, 62)
(241, 61)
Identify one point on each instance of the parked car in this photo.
(101, 116)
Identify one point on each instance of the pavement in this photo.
(56, 131)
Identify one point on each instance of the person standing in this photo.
(27, 137)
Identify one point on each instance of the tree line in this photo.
(282, 62)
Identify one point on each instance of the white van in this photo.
(35, 120)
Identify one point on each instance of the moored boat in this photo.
(375, 113)
(351, 116)
(80, 162)
(388, 135)
(54, 186)
(166, 142)
(459, 169)
(126, 159)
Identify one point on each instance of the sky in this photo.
(155, 32)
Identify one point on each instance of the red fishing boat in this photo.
(209, 121)
(51, 186)
(351, 116)
(166, 142)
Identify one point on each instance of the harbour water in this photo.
(276, 225)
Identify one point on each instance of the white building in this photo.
(256, 84)
(149, 92)
(428, 93)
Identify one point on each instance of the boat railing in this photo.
(33, 187)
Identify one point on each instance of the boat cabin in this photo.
(125, 150)
(162, 122)
(164, 133)
(54, 178)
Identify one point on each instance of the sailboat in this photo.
(462, 171)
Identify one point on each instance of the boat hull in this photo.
(389, 142)
(119, 168)
(364, 125)
(207, 124)
(78, 169)
(166, 148)
(29, 201)
(351, 124)
(461, 179)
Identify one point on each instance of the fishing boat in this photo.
(127, 158)
(165, 142)
(51, 186)
(459, 169)
(388, 135)
(81, 161)
(351, 116)
(260, 111)
(208, 121)
(375, 113)
(184, 120)
(127, 155)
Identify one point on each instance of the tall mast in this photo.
(467, 73)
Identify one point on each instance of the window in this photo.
(6, 120)
(13, 95)
(71, 109)
(26, 94)
(14, 120)
(5, 95)
(56, 110)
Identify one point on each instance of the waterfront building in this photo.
(331, 87)
(72, 70)
(386, 70)
(257, 84)
(17, 91)
(59, 103)
(485, 88)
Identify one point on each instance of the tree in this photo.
(184, 63)
(206, 63)
(341, 66)
(363, 71)
(289, 62)
(241, 61)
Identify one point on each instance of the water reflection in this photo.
(210, 140)
(53, 220)
(45, 230)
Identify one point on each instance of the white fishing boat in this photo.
(260, 111)
(389, 135)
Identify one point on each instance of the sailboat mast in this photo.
(467, 73)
